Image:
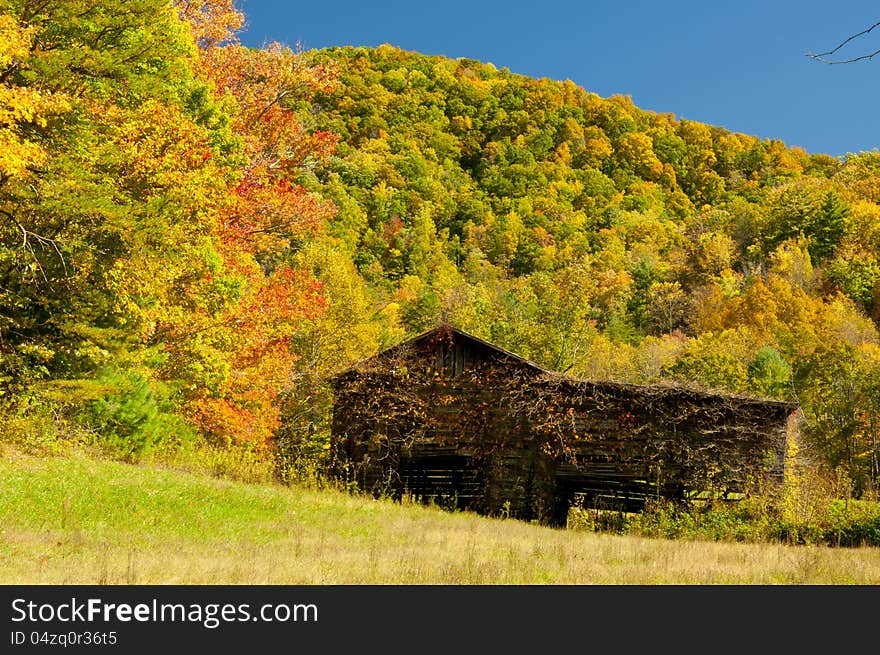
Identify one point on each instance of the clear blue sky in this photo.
(738, 65)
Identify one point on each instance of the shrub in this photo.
(135, 417)
(753, 519)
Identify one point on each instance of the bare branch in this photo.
(41, 241)
(824, 56)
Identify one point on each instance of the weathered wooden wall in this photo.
(622, 444)
(451, 440)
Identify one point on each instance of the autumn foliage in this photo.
(194, 235)
(148, 210)
(259, 219)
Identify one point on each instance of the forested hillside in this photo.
(606, 241)
(195, 235)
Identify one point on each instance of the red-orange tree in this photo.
(238, 357)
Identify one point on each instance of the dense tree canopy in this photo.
(600, 239)
(144, 219)
(194, 235)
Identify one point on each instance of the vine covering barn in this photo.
(450, 417)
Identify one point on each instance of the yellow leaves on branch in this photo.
(16, 155)
(166, 153)
(20, 106)
(15, 41)
(212, 22)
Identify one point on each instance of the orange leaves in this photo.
(229, 423)
(262, 82)
(264, 216)
(257, 78)
(280, 299)
(266, 209)
(211, 21)
(253, 339)
(231, 344)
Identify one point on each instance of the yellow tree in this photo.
(21, 107)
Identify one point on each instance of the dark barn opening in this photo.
(448, 480)
(449, 418)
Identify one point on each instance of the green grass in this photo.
(78, 519)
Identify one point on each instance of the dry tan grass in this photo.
(426, 549)
(232, 533)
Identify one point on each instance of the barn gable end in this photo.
(450, 417)
(449, 352)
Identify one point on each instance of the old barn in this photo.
(450, 417)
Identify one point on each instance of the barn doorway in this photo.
(449, 481)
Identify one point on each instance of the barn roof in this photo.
(445, 330)
(665, 389)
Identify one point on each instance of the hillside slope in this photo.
(77, 520)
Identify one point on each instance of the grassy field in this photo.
(68, 520)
